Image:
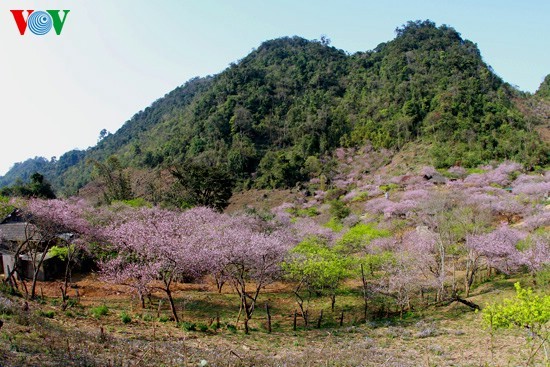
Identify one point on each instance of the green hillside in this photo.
(291, 99)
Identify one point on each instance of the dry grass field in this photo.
(108, 327)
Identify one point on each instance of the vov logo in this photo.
(40, 22)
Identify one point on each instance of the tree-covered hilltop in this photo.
(544, 88)
(268, 116)
(431, 85)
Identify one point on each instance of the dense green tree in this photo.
(205, 185)
(316, 268)
(116, 184)
(527, 311)
(38, 187)
(544, 88)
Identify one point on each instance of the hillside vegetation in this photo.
(268, 116)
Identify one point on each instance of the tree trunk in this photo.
(11, 279)
(300, 302)
(219, 283)
(468, 287)
(141, 299)
(36, 268)
(67, 278)
(469, 276)
(268, 317)
(468, 303)
(365, 293)
(172, 305)
(441, 291)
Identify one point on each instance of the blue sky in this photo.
(115, 58)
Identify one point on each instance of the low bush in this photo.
(188, 326)
(125, 318)
(99, 311)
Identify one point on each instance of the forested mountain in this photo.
(291, 99)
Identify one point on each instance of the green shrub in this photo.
(22, 318)
(543, 277)
(164, 318)
(72, 302)
(125, 318)
(359, 236)
(308, 212)
(334, 194)
(474, 170)
(99, 311)
(188, 326)
(389, 187)
(135, 203)
(202, 327)
(527, 311)
(362, 196)
(7, 289)
(334, 224)
(60, 252)
(230, 327)
(147, 317)
(339, 210)
(47, 314)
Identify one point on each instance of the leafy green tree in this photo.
(338, 209)
(205, 185)
(316, 268)
(358, 237)
(38, 187)
(5, 207)
(528, 311)
(544, 88)
(116, 184)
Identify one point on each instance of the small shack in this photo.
(15, 232)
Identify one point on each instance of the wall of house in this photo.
(29, 271)
(8, 261)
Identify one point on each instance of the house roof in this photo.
(13, 232)
(15, 228)
(17, 232)
(14, 217)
